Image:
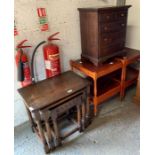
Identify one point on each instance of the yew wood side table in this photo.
(105, 89)
(129, 73)
(49, 99)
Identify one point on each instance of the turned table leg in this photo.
(37, 119)
(48, 130)
(30, 119)
(56, 130)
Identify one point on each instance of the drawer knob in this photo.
(105, 39)
(105, 28)
(122, 25)
(122, 15)
(107, 17)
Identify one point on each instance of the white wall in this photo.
(63, 17)
(133, 29)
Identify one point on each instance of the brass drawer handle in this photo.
(122, 15)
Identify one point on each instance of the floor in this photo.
(115, 131)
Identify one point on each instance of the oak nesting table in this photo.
(49, 100)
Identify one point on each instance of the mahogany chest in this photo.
(103, 32)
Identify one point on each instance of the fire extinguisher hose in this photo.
(20, 69)
(32, 61)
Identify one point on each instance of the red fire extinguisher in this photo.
(51, 57)
(23, 69)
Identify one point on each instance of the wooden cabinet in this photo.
(103, 32)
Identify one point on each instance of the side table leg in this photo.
(123, 78)
(40, 132)
(49, 130)
(79, 117)
(95, 97)
(57, 134)
(30, 119)
(83, 115)
(95, 108)
(87, 104)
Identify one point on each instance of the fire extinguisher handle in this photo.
(24, 46)
(20, 45)
(52, 37)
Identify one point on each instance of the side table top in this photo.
(129, 54)
(49, 91)
(96, 71)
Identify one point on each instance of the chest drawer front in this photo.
(108, 39)
(115, 47)
(105, 17)
(121, 15)
(113, 26)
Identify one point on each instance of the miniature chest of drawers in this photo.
(103, 32)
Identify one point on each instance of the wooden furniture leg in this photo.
(87, 105)
(83, 115)
(123, 78)
(37, 119)
(79, 117)
(30, 119)
(56, 130)
(48, 130)
(95, 96)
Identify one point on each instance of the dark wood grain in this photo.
(49, 100)
(51, 90)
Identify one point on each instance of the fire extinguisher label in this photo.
(42, 19)
(53, 57)
(47, 64)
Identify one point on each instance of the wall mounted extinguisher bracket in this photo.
(50, 38)
(20, 45)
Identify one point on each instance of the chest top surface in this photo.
(104, 8)
(48, 91)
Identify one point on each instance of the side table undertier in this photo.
(110, 77)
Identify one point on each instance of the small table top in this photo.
(129, 55)
(96, 71)
(49, 91)
(107, 67)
